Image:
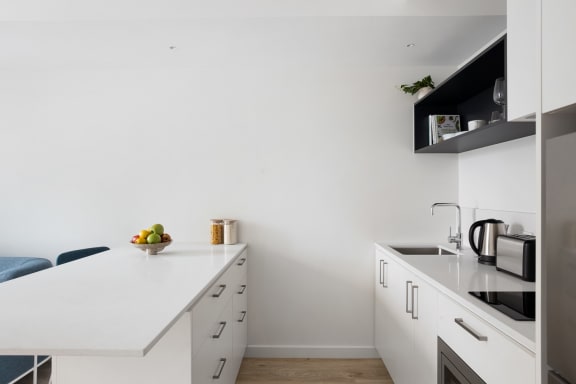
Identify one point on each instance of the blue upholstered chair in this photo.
(67, 257)
(16, 367)
(13, 267)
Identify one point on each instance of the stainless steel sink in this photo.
(423, 250)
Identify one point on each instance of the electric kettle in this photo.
(489, 231)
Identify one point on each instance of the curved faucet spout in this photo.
(457, 238)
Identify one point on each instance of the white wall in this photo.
(499, 182)
(314, 158)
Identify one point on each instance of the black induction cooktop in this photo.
(519, 306)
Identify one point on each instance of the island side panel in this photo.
(170, 361)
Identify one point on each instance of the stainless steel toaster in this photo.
(516, 254)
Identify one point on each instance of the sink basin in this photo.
(423, 250)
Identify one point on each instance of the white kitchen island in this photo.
(123, 316)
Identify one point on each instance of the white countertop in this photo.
(116, 303)
(455, 276)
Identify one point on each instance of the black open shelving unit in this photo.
(468, 93)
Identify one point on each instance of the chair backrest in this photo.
(69, 256)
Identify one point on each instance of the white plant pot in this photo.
(423, 92)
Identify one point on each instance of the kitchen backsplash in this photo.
(519, 222)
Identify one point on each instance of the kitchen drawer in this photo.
(207, 312)
(214, 361)
(495, 357)
(240, 268)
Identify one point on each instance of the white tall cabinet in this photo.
(521, 59)
(558, 54)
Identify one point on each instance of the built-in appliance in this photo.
(559, 255)
(516, 255)
(452, 369)
(519, 305)
(490, 229)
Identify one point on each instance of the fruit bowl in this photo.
(152, 249)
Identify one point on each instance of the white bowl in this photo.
(473, 124)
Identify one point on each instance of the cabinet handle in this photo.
(408, 285)
(241, 320)
(242, 289)
(415, 307)
(220, 330)
(220, 368)
(383, 274)
(241, 261)
(461, 323)
(220, 291)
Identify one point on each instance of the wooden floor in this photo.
(317, 371)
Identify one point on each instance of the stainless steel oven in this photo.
(452, 369)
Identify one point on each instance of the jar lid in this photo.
(217, 221)
(229, 221)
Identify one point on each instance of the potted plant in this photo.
(421, 87)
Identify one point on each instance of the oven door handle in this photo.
(468, 329)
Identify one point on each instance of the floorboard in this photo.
(317, 371)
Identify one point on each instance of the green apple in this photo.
(157, 228)
(154, 238)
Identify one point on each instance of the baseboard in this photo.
(304, 351)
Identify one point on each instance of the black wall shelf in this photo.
(468, 93)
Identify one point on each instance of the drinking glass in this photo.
(500, 94)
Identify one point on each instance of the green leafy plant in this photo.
(413, 88)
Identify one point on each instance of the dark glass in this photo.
(449, 378)
(519, 306)
(452, 369)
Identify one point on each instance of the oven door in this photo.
(452, 369)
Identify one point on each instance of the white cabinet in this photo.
(219, 327)
(405, 323)
(495, 357)
(522, 58)
(240, 315)
(558, 57)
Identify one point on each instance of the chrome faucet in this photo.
(457, 238)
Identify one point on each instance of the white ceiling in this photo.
(128, 33)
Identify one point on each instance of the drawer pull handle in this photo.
(220, 291)
(242, 289)
(241, 320)
(220, 368)
(241, 262)
(467, 328)
(220, 330)
(415, 307)
(408, 286)
(383, 281)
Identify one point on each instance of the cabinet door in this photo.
(522, 58)
(558, 57)
(393, 327)
(425, 319)
(379, 304)
(212, 362)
